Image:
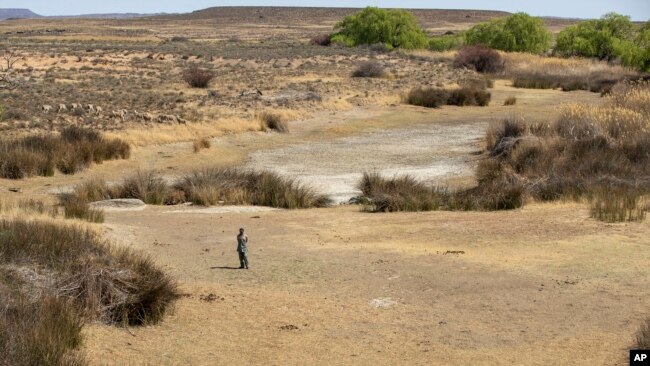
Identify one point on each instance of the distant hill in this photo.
(109, 16)
(17, 14)
(289, 15)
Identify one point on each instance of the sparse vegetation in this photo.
(55, 276)
(517, 33)
(206, 187)
(597, 152)
(273, 121)
(535, 72)
(436, 97)
(200, 144)
(511, 100)
(479, 58)
(73, 150)
(643, 336)
(321, 40)
(394, 28)
(446, 42)
(198, 77)
(369, 69)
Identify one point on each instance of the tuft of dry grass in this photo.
(479, 58)
(273, 121)
(200, 144)
(436, 97)
(404, 193)
(203, 187)
(215, 186)
(538, 72)
(616, 205)
(643, 335)
(512, 100)
(197, 77)
(369, 69)
(104, 282)
(73, 150)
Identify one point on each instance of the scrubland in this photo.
(533, 213)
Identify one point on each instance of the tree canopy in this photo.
(394, 28)
(517, 33)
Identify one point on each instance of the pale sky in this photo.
(637, 9)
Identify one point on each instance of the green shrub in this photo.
(517, 33)
(393, 28)
(446, 42)
(606, 38)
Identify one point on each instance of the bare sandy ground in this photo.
(539, 286)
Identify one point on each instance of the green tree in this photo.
(636, 53)
(393, 28)
(604, 38)
(517, 33)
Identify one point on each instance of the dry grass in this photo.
(404, 193)
(643, 336)
(205, 187)
(73, 150)
(616, 205)
(479, 58)
(273, 121)
(510, 101)
(200, 144)
(597, 152)
(69, 252)
(436, 97)
(54, 277)
(216, 186)
(530, 71)
(368, 69)
(197, 77)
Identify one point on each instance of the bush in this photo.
(609, 204)
(114, 285)
(405, 193)
(517, 33)
(44, 332)
(511, 100)
(601, 153)
(274, 122)
(479, 58)
(201, 144)
(643, 336)
(399, 194)
(369, 69)
(393, 28)
(595, 38)
(78, 209)
(214, 186)
(427, 97)
(321, 40)
(205, 187)
(468, 96)
(436, 97)
(147, 186)
(446, 42)
(197, 77)
(74, 150)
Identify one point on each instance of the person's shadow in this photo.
(224, 267)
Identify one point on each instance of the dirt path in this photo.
(539, 286)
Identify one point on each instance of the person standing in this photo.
(242, 249)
